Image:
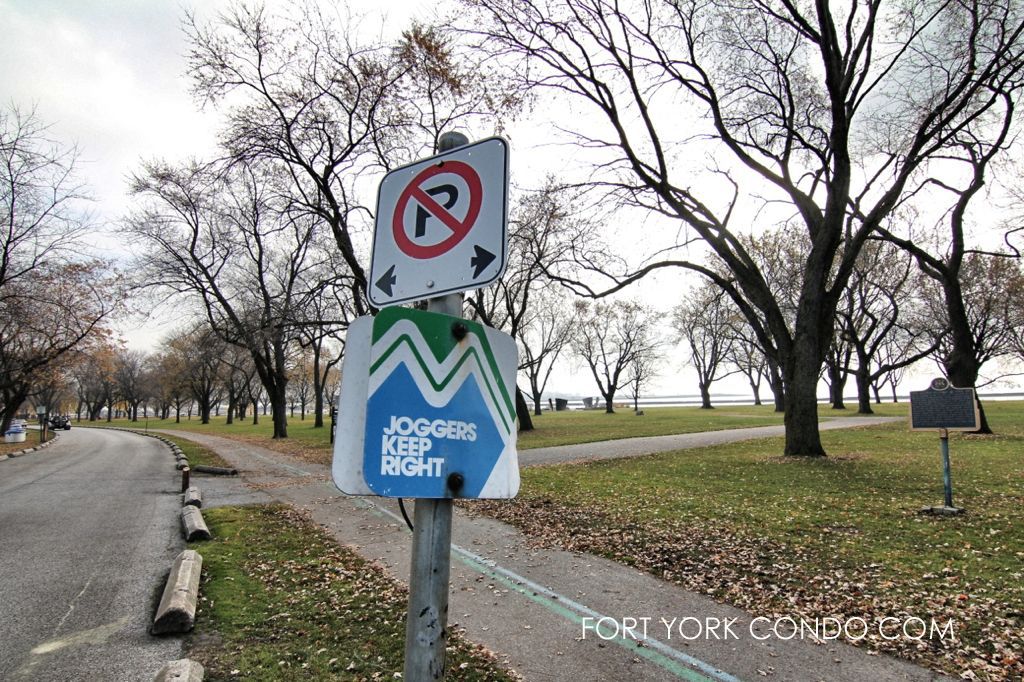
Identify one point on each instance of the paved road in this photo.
(88, 527)
(527, 604)
(633, 447)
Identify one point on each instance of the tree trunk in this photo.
(962, 362)
(318, 390)
(801, 400)
(836, 385)
(609, 403)
(279, 412)
(536, 405)
(756, 388)
(777, 387)
(523, 412)
(204, 411)
(705, 396)
(863, 390)
(255, 411)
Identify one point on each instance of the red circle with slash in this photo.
(459, 228)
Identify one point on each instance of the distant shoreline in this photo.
(576, 402)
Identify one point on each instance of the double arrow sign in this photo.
(479, 262)
(441, 224)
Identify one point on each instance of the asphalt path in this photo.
(649, 445)
(88, 529)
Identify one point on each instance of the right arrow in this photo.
(481, 260)
(388, 280)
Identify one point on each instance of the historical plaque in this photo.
(942, 406)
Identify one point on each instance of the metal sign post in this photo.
(426, 625)
(947, 477)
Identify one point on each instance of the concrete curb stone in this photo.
(181, 670)
(193, 497)
(193, 524)
(177, 610)
(216, 471)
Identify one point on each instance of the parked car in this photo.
(60, 421)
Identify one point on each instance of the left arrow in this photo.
(387, 281)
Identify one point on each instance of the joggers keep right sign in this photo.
(440, 410)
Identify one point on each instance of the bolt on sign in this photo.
(441, 224)
(437, 415)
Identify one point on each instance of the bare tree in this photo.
(45, 314)
(323, 319)
(203, 365)
(40, 200)
(705, 324)
(547, 331)
(989, 131)
(747, 357)
(225, 240)
(94, 377)
(1015, 295)
(890, 352)
(544, 226)
(129, 368)
(331, 385)
(609, 339)
(837, 367)
(304, 92)
(52, 299)
(985, 283)
(300, 382)
(878, 308)
(642, 370)
(835, 110)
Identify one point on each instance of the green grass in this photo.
(303, 439)
(281, 600)
(551, 428)
(846, 527)
(587, 426)
(197, 454)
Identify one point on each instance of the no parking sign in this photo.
(441, 224)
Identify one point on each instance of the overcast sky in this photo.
(110, 76)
